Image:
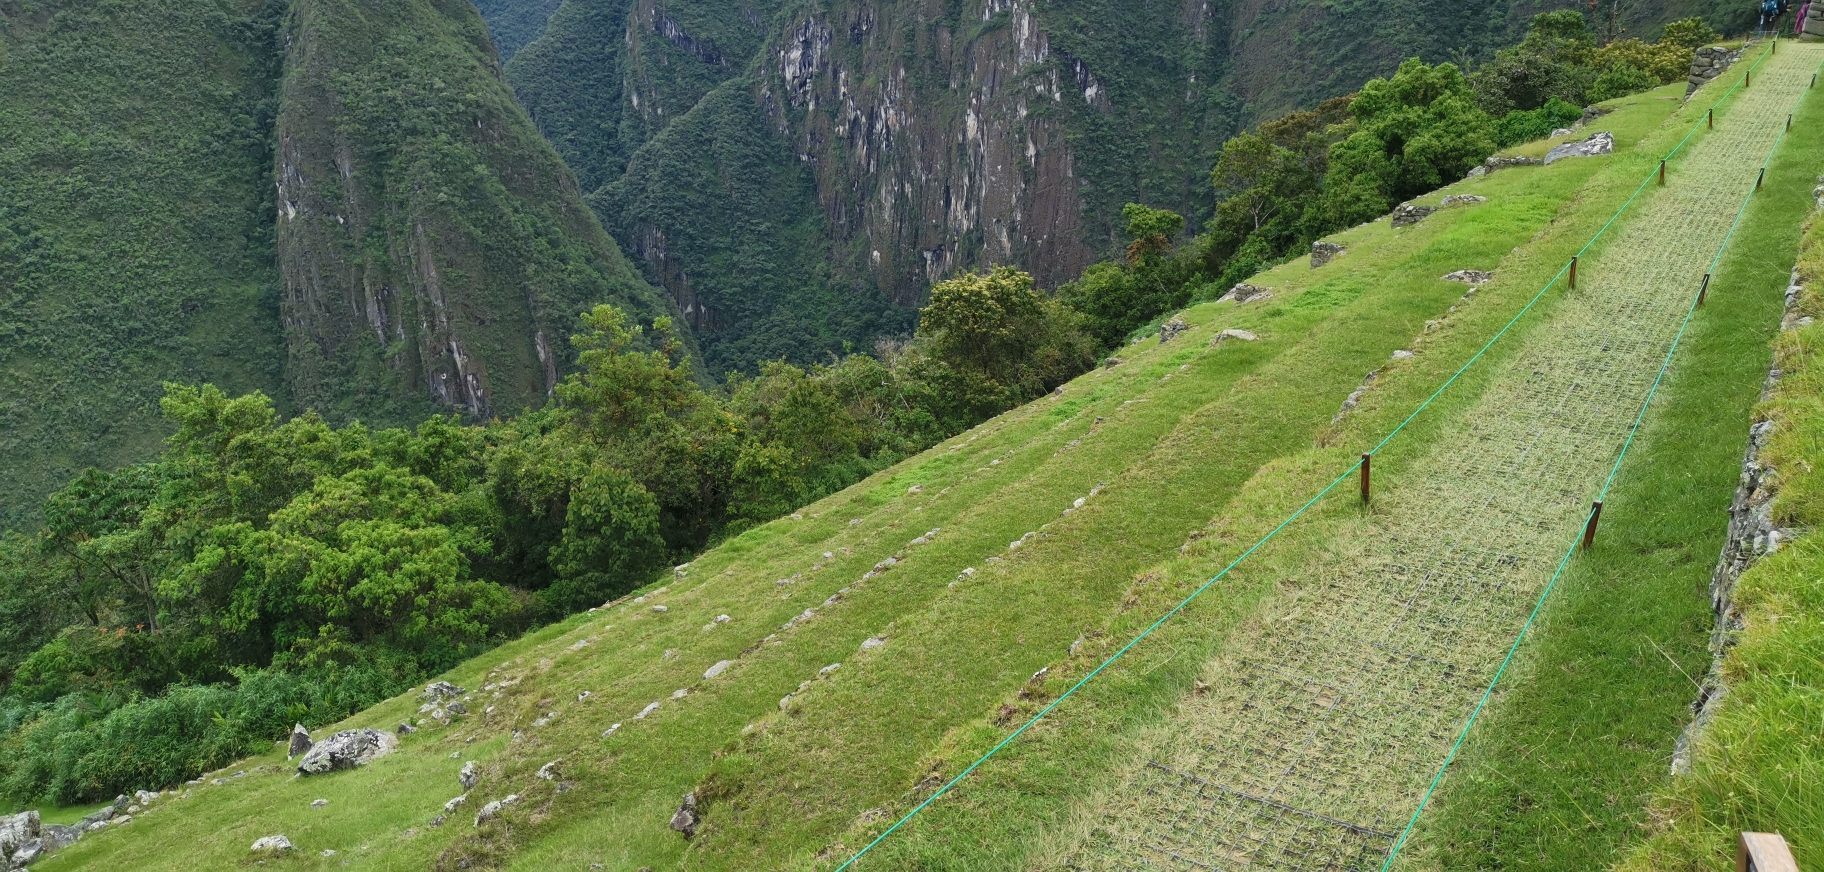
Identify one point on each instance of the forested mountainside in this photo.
(428, 248)
(135, 225)
(796, 174)
(427, 236)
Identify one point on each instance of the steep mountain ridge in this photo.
(433, 247)
(912, 138)
(336, 202)
(135, 225)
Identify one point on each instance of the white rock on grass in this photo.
(829, 669)
(646, 711)
(469, 776)
(456, 803)
(548, 772)
(680, 693)
(273, 845)
(1402, 354)
(871, 644)
(720, 667)
(611, 731)
(320, 803)
(347, 750)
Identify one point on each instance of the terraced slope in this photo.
(1317, 742)
(791, 760)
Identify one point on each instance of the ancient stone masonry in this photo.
(1753, 534)
(1708, 63)
(1814, 21)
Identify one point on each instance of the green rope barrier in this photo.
(941, 791)
(1614, 470)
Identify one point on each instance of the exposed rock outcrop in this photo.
(1597, 144)
(300, 742)
(347, 750)
(1324, 252)
(1408, 214)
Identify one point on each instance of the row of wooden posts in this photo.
(1589, 529)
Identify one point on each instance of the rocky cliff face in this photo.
(435, 252)
(843, 154)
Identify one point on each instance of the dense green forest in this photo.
(267, 568)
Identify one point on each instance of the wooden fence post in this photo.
(1589, 529)
(1367, 459)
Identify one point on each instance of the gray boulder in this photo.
(1599, 143)
(1469, 276)
(1171, 329)
(685, 819)
(273, 845)
(1408, 214)
(300, 742)
(346, 750)
(470, 775)
(438, 691)
(1324, 252)
(56, 837)
(28, 853)
(16, 831)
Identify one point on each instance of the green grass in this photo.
(1559, 775)
(1759, 764)
(1179, 433)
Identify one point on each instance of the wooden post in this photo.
(1573, 272)
(1589, 530)
(1662, 172)
(1367, 459)
(1789, 122)
(1703, 289)
(1711, 119)
(1764, 852)
(1749, 81)
(1761, 178)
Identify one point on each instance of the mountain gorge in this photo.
(795, 175)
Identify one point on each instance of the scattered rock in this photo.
(273, 845)
(548, 772)
(440, 691)
(872, 643)
(646, 711)
(1408, 214)
(1402, 354)
(1246, 293)
(1355, 398)
(300, 742)
(346, 750)
(1477, 172)
(457, 708)
(56, 838)
(456, 803)
(660, 610)
(828, 669)
(1324, 252)
(1233, 333)
(716, 670)
(1171, 330)
(1464, 199)
(685, 819)
(680, 693)
(469, 776)
(1501, 163)
(404, 729)
(1597, 144)
(611, 730)
(492, 809)
(1470, 276)
(915, 489)
(721, 619)
(319, 803)
(785, 702)
(1562, 131)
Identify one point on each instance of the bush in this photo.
(1517, 127)
(87, 747)
(1620, 81)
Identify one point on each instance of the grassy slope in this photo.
(1177, 433)
(1760, 763)
(135, 226)
(1559, 776)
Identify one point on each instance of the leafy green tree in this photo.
(1552, 61)
(1417, 131)
(1689, 33)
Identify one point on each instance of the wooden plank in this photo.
(1764, 852)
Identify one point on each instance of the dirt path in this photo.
(1315, 748)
